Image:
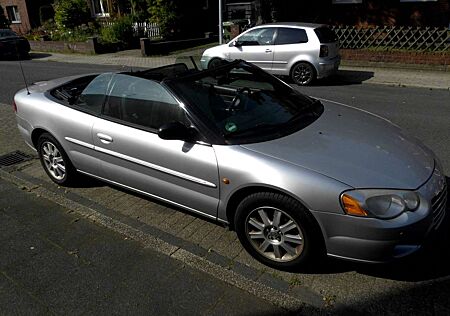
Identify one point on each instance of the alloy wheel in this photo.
(274, 234)
(302, 74)
(53, 160)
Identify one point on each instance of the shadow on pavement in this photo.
(39, 55)
(346, 77)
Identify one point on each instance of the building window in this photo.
(100, 7)
(13, 14)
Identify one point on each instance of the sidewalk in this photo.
(432, 79)
(55, 262)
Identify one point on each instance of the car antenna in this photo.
(21, 69)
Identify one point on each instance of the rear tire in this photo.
(55, 161)
(303, 73)
(278, 231)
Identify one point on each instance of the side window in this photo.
(141, 102)
(290, 36)
(262, 36)
(93, 96)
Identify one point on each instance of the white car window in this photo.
(261, 36)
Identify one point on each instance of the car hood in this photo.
(216, 50)
(354, 147)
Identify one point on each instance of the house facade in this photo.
(354, 12)
(17, 12)
(27, 14)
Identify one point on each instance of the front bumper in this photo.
(376, 240)
(328, 67)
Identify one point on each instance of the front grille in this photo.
(439, 203)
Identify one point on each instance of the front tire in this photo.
(55, 161)
(278, 231)
(303, 73)
(215, 62)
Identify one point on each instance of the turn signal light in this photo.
(352, 207)
(14, 106)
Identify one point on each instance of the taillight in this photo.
(323, 51)
(14, 106)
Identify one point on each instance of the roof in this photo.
(294, 24)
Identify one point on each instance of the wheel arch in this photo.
(306, 61)
(35, 134)
(242, 193)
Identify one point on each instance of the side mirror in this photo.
(176, 131)
(235, 44)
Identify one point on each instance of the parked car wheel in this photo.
(55, 161)
(277, 230)
(214, 63)
(303, 73)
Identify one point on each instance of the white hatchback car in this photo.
(303, 51)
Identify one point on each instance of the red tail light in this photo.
(14, 106)
(323, 51)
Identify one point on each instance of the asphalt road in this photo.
(425, 113)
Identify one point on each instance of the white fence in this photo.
(150, 30)
(141, 29)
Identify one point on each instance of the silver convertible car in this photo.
(295, 177)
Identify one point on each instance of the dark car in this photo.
(13, 45)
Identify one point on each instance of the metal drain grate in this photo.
(13, 158)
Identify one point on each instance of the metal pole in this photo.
(220, 23)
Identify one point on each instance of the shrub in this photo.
(165, 14)
(71, 13)
(120, 31)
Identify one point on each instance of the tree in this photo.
(165, 14)
(71, 13)
(4, 22)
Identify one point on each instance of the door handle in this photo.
(105, 139)
(268, 50)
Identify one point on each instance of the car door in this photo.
(75, 124)
(135, 156)
(289, 44)
(255, 46)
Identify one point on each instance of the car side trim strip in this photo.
(150, 195)
(79, 142)
(143, 163)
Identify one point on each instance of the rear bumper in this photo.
(376, 240)
(328, 67)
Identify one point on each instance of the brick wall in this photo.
(88, 47)
(417, 58)
(24, 26)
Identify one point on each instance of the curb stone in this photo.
(238, 275)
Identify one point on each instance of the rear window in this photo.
(291, 36)
(325, 35)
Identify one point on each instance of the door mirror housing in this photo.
(236, 43)
(177, 131)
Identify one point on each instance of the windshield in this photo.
(242, 103)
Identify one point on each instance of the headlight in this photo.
(379, 203)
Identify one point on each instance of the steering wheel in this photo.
(237, 100)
